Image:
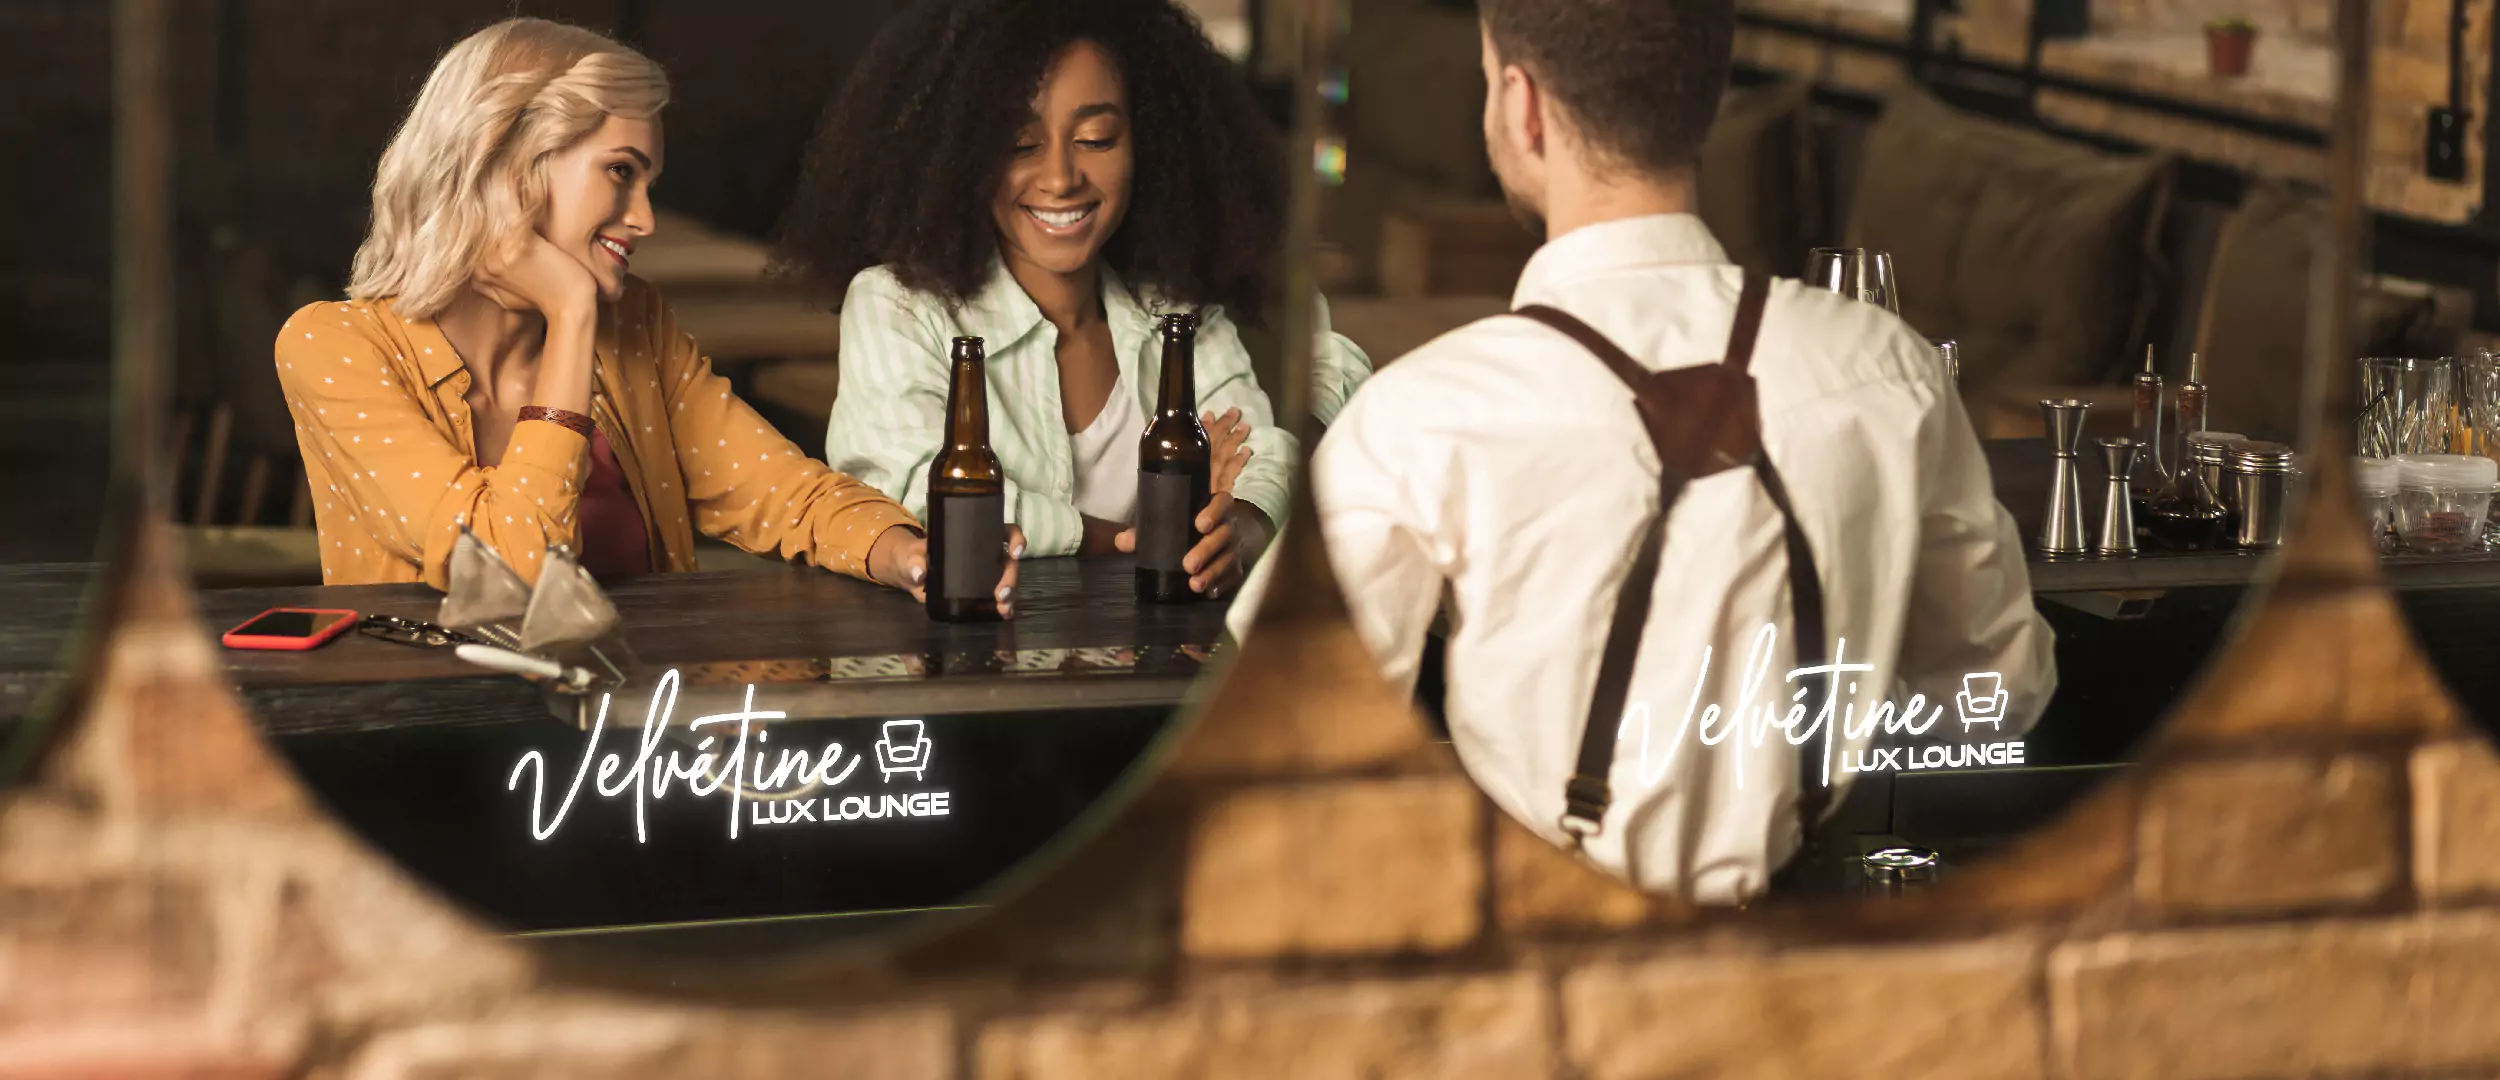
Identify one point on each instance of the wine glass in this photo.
(1857, 273)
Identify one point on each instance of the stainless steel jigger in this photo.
(2117, 510)
(2061, 533)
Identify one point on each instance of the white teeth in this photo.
(1060, 219)
(622, 255)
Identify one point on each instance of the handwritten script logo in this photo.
(1982, 700)
(903, 751)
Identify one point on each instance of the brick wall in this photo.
(2301, 882)
(2409, 77)
(2307, 18)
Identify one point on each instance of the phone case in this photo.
(233, 639)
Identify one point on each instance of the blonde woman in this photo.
(496, 365)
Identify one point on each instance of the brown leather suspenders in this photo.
(1702, 420)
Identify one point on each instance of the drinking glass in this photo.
(2478, 414)
(1857, 273)
(2408, 406)
(2478, 404)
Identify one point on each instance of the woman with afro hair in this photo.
(1048, 175)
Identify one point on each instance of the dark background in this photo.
(282, 110)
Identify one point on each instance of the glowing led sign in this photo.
(766, 786)
(1982, 701)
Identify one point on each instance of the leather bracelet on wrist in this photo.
(578, 423)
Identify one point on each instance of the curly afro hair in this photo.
(910, 154)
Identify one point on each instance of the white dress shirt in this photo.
(1504, 463)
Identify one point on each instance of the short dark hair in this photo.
(911, 152)
(1640, 79)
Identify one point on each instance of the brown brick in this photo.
(1496, 1028)
(1345, 867)
(604, 1039)
(2421, 24)
(2456, 819)
(1537, 886)
(2268, 834)
(137, 1047)
(1865, 72)
(1964, 1010)
(2381, 996)
(84, 948)
(1114, 906)
(2404, 75)
(1304, 697)
(302, 921)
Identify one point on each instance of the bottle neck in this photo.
(1179, 393)
(967, 406)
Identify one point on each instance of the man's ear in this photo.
(1521, 94)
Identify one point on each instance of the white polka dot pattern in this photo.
(669, 405)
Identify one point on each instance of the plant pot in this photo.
(2229, 50)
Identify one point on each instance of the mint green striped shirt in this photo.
(889, 413)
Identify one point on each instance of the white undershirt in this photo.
(1106, 457)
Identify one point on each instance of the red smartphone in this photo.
(290, 628)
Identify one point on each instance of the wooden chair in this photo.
(242, 500)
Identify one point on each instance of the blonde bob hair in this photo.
(466, 174)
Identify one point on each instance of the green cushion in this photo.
(2038, 255)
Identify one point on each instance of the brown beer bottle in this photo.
(1173, 465)
(967, 501)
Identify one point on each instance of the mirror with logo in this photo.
(730, 479)
(1973, 412)
(75, 368)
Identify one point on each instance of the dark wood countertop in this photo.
(774, 613)
(1080, 639)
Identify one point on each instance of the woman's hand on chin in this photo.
(900, 560)
(539, 277)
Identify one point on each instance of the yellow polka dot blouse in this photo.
(382, 417)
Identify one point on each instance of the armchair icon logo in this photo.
(1982, 700)
(903, 748)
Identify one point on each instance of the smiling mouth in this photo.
(622, 252)
(1062, 222)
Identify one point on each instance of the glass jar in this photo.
(2375, 480)
(2442, 500)
(2210, 452)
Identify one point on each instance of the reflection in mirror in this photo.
(59, 428)
(2424, 427)
(1962, 512)
(776, 522)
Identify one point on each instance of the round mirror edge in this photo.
(589, 958)
(139, 378)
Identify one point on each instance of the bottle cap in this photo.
(2260, 457)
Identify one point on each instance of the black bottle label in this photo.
(972, 545)
(1167, 511)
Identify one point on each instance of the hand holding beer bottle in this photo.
(966, 569)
